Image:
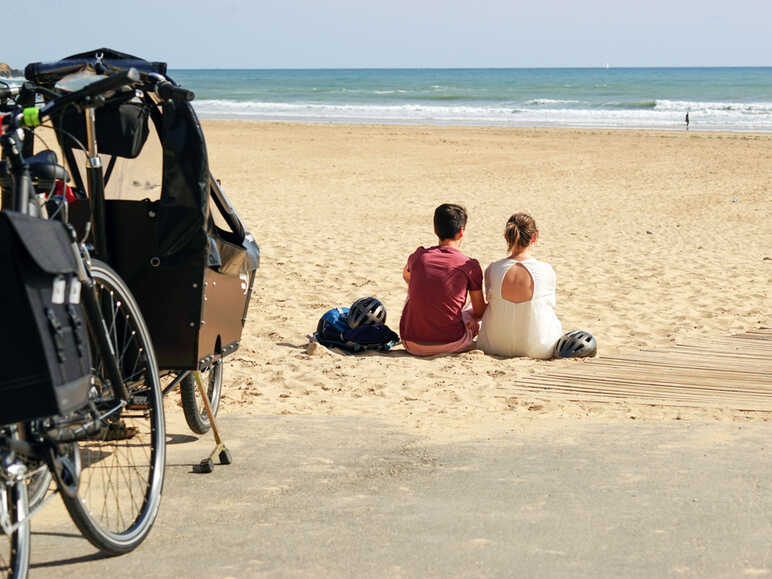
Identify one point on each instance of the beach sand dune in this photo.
(656, 238)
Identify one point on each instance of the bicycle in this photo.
(106, 454)
(179, 243)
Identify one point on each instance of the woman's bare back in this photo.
(517, 285)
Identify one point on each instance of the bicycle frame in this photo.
(113, 511)
(24, 203)
(22, 458)
(96, 185)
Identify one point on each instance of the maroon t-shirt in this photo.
(439, 280)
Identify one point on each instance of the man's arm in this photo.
(406, 275)
(478, 303)
(476, 296)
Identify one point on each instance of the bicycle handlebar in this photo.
(167, 91)
(33, 116)
(9, 91)
(115, 81)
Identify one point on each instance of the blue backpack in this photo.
(333, 331)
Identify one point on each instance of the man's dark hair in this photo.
(449, 219)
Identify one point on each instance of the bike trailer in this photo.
(44, 337)
(172, 234)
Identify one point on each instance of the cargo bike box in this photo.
(170, 231)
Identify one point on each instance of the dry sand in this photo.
(655, 237)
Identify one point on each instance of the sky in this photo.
(396, 33)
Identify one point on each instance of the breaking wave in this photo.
(659, 115)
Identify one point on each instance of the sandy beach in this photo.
(387, 465)
(656, 238)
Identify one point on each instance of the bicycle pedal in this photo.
(138, 402)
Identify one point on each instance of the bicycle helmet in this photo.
(576, 344)
(366, 311)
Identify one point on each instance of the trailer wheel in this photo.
(193, 405)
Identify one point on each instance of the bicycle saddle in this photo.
(44, 167)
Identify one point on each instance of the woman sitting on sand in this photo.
(519, 320)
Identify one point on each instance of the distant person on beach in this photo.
(687, 120)
(436, 318)
(519, 319)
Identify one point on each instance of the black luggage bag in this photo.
(46, 366)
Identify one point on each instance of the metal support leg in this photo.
(207, 464)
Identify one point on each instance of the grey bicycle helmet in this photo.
(576, 344)
(366, 311)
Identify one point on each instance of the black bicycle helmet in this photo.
(576, 344)
(366, 311)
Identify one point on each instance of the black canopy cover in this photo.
(183, 209)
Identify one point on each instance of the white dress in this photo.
(524, 328)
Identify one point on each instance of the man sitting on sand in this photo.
(434, 319)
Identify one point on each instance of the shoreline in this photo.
(419, 125)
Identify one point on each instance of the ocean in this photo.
(735, 99)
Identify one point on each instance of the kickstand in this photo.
(207, 465)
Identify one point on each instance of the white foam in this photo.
(666, 114)
(715, 107)
(551, 102)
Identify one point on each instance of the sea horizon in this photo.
(716, 98)
(601, 67)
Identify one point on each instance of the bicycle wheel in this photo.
(122, 467)
(193, 404)
(37, 487)
(15, 549)
(14, 557)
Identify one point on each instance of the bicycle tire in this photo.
(37, 488)
(192, 404)
(122, 472)
(15, 552)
